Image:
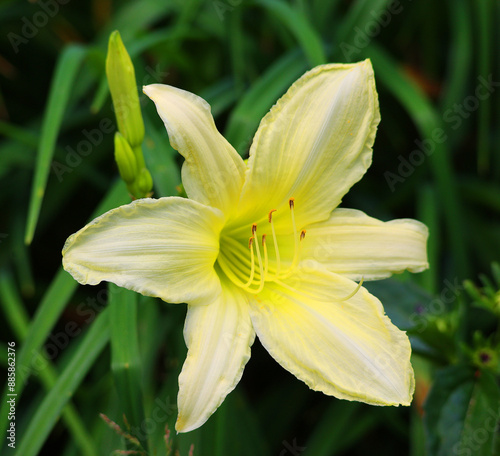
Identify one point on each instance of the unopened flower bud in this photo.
(125, 159)
(122, 85)
(144, 181)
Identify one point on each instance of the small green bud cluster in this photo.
(128, 140)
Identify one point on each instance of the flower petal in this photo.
(219, 337)
(355, 245)
(158, 247)
(345, 348)
(313, 145)
(213, 171)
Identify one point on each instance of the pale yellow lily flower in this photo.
(261, 248)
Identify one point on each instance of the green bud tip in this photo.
(122, 85)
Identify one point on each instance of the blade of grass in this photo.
(3, 355)
(324, 13)
(248, 429)
(361, 13)
(62, 84)
(125, 359)
(496, 69)
(300, 27)
(237, 45)
(21, 258)
(220, 95)
(13, 308)
(484, 16)
(221, 435)
(428, 122)
(459, 63)
(247, 114)
(18, 134)
(134, 17)
(160, 159)
(460, 54)
(18, 320)
(337, 430)
(89, 348)
(279, 395)
(428, 213)
(50, 309)
(482, 193)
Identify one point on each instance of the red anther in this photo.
(254, 228)
(263, 239)
(250, 242)
(302, 234)
(271, 214)
(291, 203)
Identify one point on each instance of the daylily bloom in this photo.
(261, 247)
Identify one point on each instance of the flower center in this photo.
(252, 270)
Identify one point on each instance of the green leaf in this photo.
(160, 160)
(62, 85)
(42, 422)
(135, 16)
(341, 425)
(429, 124)
(50, 309)
(357, 20)
(125, 359)
(18, 319)
(403, 301)
(300, 27)
(462, 413)
(247, 114)
(428, 213)
(485, 24)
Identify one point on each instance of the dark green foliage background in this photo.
(113, 352)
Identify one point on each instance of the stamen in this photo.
(252, 264)
(296, 238)
(354, 292)
(266, 263)
(261, 267)
(277, 252)
(291, 202)
(229, 270)
(234, 261)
